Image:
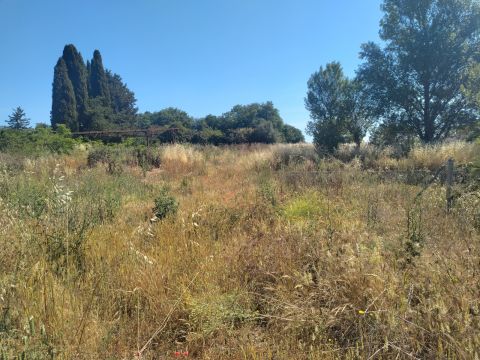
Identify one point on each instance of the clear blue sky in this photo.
(202, 56)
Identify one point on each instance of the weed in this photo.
(415, 233)
(165, 204)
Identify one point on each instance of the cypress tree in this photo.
(98, 79)
(89, 71)
(77, 72)
(64, 105)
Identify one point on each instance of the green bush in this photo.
(165, 204)
(39, 141)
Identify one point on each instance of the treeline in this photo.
(254, 123)
(421, 85)
(86, 97)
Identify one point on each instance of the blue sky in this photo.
(202, 56)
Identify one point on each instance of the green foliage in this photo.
(303, 208)
(265, 133)
(109, 156)
(324, 100)
(208, 135)
(415, 234)
(267, 191)
(170, 116)
(357, 116)
(416, 79)
(165, 204)
(38, 141)
(238, 136)
(115, 157)
(77, 73)
(64, 104)
(35, 344)
(393, 133)
(212, 312)
(472, 86)
(292, 135)
(18, 120)
(99, 114)
(123, 100)
(337, 109)
(253, 123)
(88, 97)
(292, 156)
(98, 83)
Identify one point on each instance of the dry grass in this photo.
(267, 258)
(429, 157)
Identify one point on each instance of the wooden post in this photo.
(449, 184)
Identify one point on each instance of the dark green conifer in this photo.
(18, 120)
(98, 78)
(89, 71)
(64, 105)
(77, 72)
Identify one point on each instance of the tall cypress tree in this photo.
(89, 71)
(77, 72)
(98, 79)
(64, 105)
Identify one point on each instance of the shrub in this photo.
(35, 142)
(97, 155)
(146, 158)
(286, 155)
(109, 156)
(165, 204)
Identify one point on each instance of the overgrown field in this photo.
(260, 252)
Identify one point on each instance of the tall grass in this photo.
(272, 254)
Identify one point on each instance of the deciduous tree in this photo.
(416, 78)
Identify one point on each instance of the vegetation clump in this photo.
(165, 204)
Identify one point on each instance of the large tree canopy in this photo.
(336, 106)
(416, 79)
(257, 122)
(325, 99)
